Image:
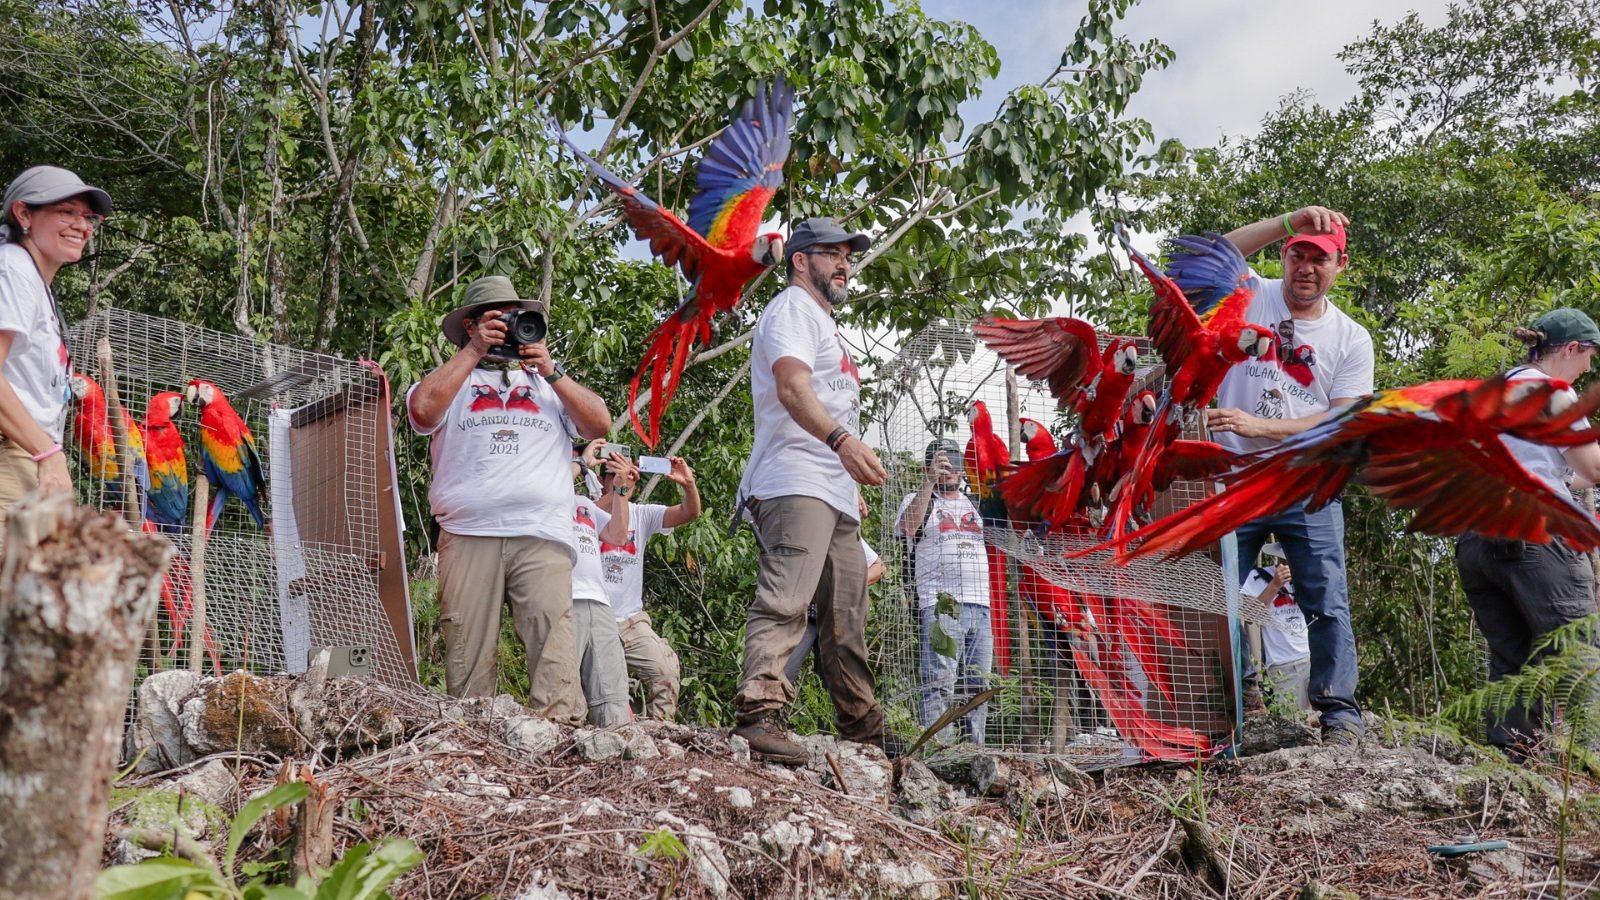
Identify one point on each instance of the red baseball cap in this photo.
(1332, 243)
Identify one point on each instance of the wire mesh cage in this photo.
(1101, 664)
(324, 568)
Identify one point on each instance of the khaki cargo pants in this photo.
(652, 660)
(809, 551)
(479, 574)
(19, 474)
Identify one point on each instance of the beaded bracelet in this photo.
(836, 438)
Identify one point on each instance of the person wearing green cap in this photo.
(1519, 592)
(48, 218)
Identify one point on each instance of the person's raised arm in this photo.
(437, 390)
(688, 509)
(624, 476)
(1305, 220)
(584, 407)
(793, 379)
(916, 512)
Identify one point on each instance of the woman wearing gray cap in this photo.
(48, 219)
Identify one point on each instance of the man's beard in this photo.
(834, 294)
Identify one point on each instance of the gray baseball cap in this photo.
(42, 185)
(823, 230)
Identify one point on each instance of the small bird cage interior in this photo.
(305, 550)
(1099, 664)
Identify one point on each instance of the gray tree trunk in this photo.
(76, 591)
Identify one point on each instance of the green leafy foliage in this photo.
(362, 873)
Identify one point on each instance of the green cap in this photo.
(1565, 325)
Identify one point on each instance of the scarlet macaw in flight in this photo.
(1431, 448)
(1200, 336)
(228, 453)
(719, 250)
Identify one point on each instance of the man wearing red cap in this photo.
(1324, 361)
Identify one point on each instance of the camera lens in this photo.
(527, 327)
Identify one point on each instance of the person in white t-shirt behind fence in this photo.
(649, 657)
(1286, 652)
(601, 666)
(48, 218)
(951, 571)
(501, 429)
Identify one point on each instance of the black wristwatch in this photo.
(555, 375)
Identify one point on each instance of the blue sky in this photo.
(1235, 58)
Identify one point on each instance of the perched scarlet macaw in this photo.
(1037, 439)
(97, 444)
(1200, 337)
(166, 504)
(1432, 448)
(719, 250)
(228, 452)
(985, 458)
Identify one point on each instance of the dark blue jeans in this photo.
(1314, 543)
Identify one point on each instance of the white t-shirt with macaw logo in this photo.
(949, 553)
(588, 520)
(36, 367)
(1287, 639)
(785, 460)
(1316, 362)
(623, 565)
(502, 458)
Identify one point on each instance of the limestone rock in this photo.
(598, 743)
(530, 734)
(157, 730)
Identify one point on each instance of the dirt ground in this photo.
(509, 806)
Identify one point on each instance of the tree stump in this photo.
(77, 589)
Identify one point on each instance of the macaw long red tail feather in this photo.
(1157, 622)
(669, 348)
(1143, 648)
(1160, 740)
(999, 622)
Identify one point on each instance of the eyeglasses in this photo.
(91, 219)
(837, 255)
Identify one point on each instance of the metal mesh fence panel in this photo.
(1090, 660)
(310, 578)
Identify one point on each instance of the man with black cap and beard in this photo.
(502, 420)
(799, 489)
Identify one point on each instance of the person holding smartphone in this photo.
(648, 656)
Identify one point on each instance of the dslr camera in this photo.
(523, 327)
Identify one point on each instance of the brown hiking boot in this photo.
(768, 742)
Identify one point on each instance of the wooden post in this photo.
(197, 575)
(132, 503)
(76, 593)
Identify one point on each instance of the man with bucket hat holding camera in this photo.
(501, 415)
(799, 489)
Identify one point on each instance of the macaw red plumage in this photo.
(1061, 351)
(1431, 448)
(227, 453)
(1036, 439)
(97, 445)
(985, 458)
(1101, 636)
(1200, 337)
(166, 505)
(719, 250)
